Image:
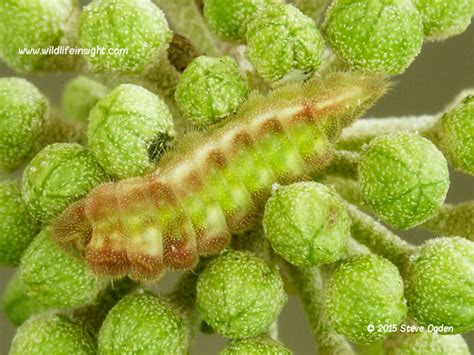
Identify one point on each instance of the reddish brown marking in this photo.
(241, 141)
(216, 158)
(107, 260)
(269, 127)
(101, 202)
(190, 183)
(160, 193)
(145, 267)
(132, 197)
(179, 245)
(179, 255)
(210, 245)
(72, 230)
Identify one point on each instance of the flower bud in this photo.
(229, 18)
(57, 176)
(283, 41)
(256, 346)
(24, 114)
(56, 279)
(307, 224)
(363, 293)
(210, 89)
(17, 227)
(16, 304)
(128, 130)
(439, 286)
(454, 134)
(37, 25)
(444, 18)
(143, 324)
(50, 333)
(426, 342)
(381, 36)
(239, 295)
(403, 178)
(80, 96)
(136, 26)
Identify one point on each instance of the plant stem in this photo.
(344, 163)
(364, 130)
(379, 239)
(186, 19)
(310, 285)
(347, 188)
(311, 8)
(453, 220)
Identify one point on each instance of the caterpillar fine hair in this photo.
(215, 185)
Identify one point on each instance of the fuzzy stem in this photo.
(344, 163)
(311, 8)
(164, 75)
(453, 220)
(186, 19)
(379, 239)
(309, 283)
(364, 130)
(347, 188)
(59, 130)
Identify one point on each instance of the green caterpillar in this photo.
(215, 185)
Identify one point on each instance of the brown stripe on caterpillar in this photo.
(106, 254)
(179, 244)
(266, 127)
(101, 202)
(145, 253)
(206, 239)
(160, 193)
(218, 161)
(72, 230)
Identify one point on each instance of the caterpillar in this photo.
(213, 185)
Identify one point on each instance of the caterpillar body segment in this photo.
(216, 185)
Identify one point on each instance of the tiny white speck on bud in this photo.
(275, 187)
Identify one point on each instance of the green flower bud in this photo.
(16, 304)
(128, 130)
(454, 134)
(17, 227)
(307, 223)
(56, 279)
(24, 114)
(381, 36)
(365, 291)
(439, 284)
(136, 26)
(80, 96)
(404, 178)
(57, 176)
(444, 18)
(53, 334)
(36, 24)
(283, 41)
(256, 346)
(404, 343)
(143, 324)
(239, 295)
(210, 89)
(229, 18)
